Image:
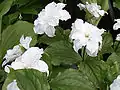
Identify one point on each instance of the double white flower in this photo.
(85, 34)
(12, 54)
(28, 59)
(93, 8)
(49, 17)
(116, 84)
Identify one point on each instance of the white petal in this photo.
(116, 26)
(81, 6)
(12, 54)
(64, 15)
(118, 20)
(118, 37)
(60, 6)
(41, 66)
(39, 28)
(13, 86)
(77, 45)
(32, 54)
(53, 21)
(50, 31)
(7, 69)
(17, 65)
(94, 9)
(79, 24)
(25, 42)
(102, 12)
(51, 9)
(92, 48)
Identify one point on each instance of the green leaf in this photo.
(117, 47)
(28, 79)
(116, 3)
(60, 35)
(104, 4)
(61, 52)
(10, 19)
(113, 62)
(107, 43)
(28, 11)
(22, 2)
(71, 80)
(4, 8)
(11, 35)
(6, 5)
(2, 76)
(95, 70)
(56, 70)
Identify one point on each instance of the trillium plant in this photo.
(59, 45)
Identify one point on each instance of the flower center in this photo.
(86, 35)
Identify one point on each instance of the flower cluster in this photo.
(93, 8)
(28, 59)
(87, 35)
(49, 17)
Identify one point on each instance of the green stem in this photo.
(117, 46)
(83, 54)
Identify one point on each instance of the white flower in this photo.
(30, 59)
(85, 34)
(49, 17)
(25, 42)
(116, 84)
(13, 86)
(118, 37)
(116, 26)
(93, 8)
(12, 54)
(81, 6)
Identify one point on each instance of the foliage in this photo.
(68, 70)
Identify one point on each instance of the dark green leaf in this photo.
(117, 4)
(6, 5)
(71, 80)
(2, 76)
(113, 66)
(28, 79)
(96, 71)
(107, 43)
(61, 52)
(4, 8)
(28, 11)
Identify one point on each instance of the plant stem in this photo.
(117, 46)
(83, 53)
